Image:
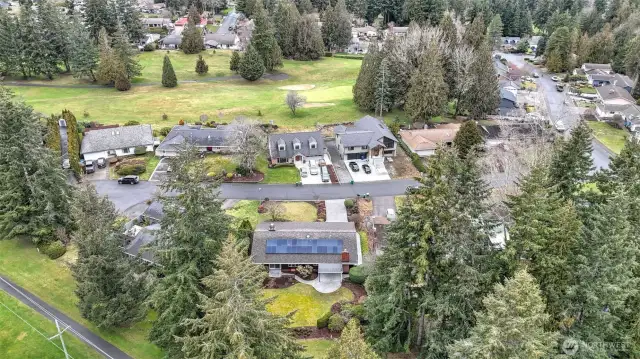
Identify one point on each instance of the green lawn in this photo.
(588, 90)
(222, 101)
(611, 137)
(24, 334)
(294, 211)
(309, 303)
(316, 348)
(52, 282)
(216, 164)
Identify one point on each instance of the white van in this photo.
(313, 167)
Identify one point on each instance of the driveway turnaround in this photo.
(125, 196)
(336, 211)
(100, 345)
(381, 204)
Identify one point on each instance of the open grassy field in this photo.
(222, 101)
(613, 138)
(51, 280)
(309, 303)
(316, 348)
(24, 334)
(294, 211)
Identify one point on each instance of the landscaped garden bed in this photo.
(142, 166)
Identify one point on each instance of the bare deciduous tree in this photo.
(462, 58)
(247, 141)
(294, 101)
(275, 210)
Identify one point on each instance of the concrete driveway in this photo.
(160, 172)
(338, 164)
(313, 179)
(378, 173)
(336, 211)
(381, 204)
(100, 174)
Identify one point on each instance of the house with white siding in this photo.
(116, 142)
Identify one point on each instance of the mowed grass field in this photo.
(52, 282)
(24, 334)
(330, 101)
(613, 138)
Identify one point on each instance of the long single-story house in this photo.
(368, 138)
(596, 79)
(296, 147)
(205, 138)
(221, 41)
(171, 42)
(156, 22)
(330, 247)
(614, 95)
(623, 81)
(425, 142)
(140, 237)
(116, 142)
(589, 68)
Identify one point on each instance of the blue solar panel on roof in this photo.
(304, 246)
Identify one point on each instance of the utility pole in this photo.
(64, 348)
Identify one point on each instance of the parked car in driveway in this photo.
(101, 162)
(354, 166)
(560, 126)
(555, 78)
(536, 75)
(129, 180)
(559, 87)
(66, 164)
(366, 168)
(89, 167)
(304, 172)
(313, 167)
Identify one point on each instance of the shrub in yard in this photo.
(229, 175)
(127, 170)
(358, 274)
(201, 66)
(336, 323)
(348, 203)
(86, 114)
(140, 150)
(353, 311)
(242, 170)
(181, 122)
(122, 83)
(149, 47)
(55, 250)
(323, 321)
(131, 123)
(164, 131)
(165, 117)
(305, 271)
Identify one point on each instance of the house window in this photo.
(351, 148)
(282, 160)
(274, 266)
(365, 147)
(281, 148)
(293, 265)
(296, 146)
(125, 150)
(313, 145)
(111, 152)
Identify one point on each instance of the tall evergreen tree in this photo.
(558, 50)
(483, 96)
(234, 63)
(73, 141)
(83, 58)
(12, 48)
(308, 43)
(364, 88)
(351, 344)
(110, 292)
(428, 12)
(542, 46)
(263, 39)
(251, 67)
(168, 75)
(468, 139)
(52, 138)
(109, 63)
(571, 162)
(37, 53)
(129, 17)
(427, 96)
(336, 27)
(512, 324)
(97, 15)
(192, 41)
(544, 237)
(194, 15)
(304, 7)
(192, 231)
(384, 88)
(286, 25)
(201, 66)
(126, 55)
(34, 194)
(494, 31)
(235, 322)
(54, 29)
(474, 33)
(357, 7)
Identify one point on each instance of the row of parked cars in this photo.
(355, 168)
(316, 168)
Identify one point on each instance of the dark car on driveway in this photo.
(89, 167)
(354, 166)
(129, 180)
(101, 162)
(366, 168)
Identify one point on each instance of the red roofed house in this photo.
(183, 21)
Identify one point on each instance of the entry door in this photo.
(298, 158)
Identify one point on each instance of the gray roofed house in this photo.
(171, 41)
(368, 138)
(296, 147)
(143, 237)
(119, 141)
(302, 243)
(623, 81)
(614, 95)
(508, 101)
(218, 40)
(205, 138)
(156, 22)
(599, 79)
(154, 212)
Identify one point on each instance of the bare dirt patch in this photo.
(21, 336)
(401, 167)
(302, 87)
(318, 104)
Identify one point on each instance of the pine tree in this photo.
(201, 66)
(286, 25)
(54, 29)
(384, 87)
(126, 55)
(73, 141)
(427, 96)
(494, 31)
(543, 237)
(512, 324)
(234, 63)
(168, 75)
(250, 66)
(428, 12)
(83, 58)
(110, 292)
(244, 329)
(12, 47)
(336, 28)
(192, 231)
(35, 52)
(52, 139)
(558, 50)
(98, 15)
(192, 41)
(263, 39)
(304, 7)
(571, 162)
(244, 233)
(364, 88)
(308, 43)
(474, 33)
(483, 96)
(34, 194)
(351, 344)
(357, 7)
(194, 15)
(542, 46)
(129, 17)
(122, 82)
(108, 65)
(468, 139)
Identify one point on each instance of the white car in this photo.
(313, 167)
(304, 172)
(555, 78)
(560, 126)
(391, 214)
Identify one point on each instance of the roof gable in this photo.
(303, 139)
(198, 136)
(116, 138)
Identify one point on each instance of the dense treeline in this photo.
(568, 274)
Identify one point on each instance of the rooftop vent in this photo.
(272, 227)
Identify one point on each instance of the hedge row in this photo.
(415, 159)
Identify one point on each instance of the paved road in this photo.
(92, 340)
(125, 196)
(229, 21)
(557, 108)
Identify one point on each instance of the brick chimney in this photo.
(345, 256)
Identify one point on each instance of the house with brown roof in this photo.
(425, 142)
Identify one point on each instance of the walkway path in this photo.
(336, 211)
(100, 345)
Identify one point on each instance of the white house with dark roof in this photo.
(296, 147)
(614, 100)
(116, 142)
(369, 138)
(329, 247)
(214, 140)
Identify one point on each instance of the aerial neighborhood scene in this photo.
(320, 179)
